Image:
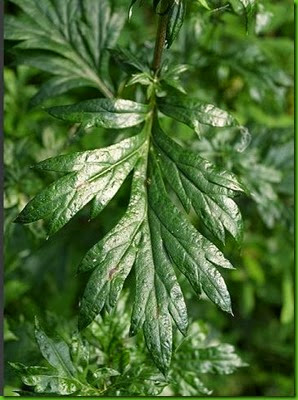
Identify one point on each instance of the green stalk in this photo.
(160, 36)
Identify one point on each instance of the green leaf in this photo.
(46, 380)
(154, 238)
(80, 352)
(189, 384)
(175, 21)
(103, 112)
(91, 175)
(142, 78)
(56, 86)
(158, 296)
(259, 175)
(131, 7)
(204, 4)
(182, 240)
(105, 372)
(113, 257)
(197, 183)
(220, 359)
(71, 39)
(193, 112)
(106, 338)
(170, 75)
(56, 352)
(206, 358)
(246, 7)
(62, 378)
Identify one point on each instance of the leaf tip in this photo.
(12, 364)
(20, 219)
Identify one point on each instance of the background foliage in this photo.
(251, 76)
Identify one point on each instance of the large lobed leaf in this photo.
(193, 112)
(154, 237)
(71, 38)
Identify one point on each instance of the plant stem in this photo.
(160, 36)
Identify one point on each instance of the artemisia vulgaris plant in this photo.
(156, 239)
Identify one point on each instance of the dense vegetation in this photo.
(144, 183)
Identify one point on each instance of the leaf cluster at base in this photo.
(82, 365)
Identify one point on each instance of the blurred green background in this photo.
(250, 75)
